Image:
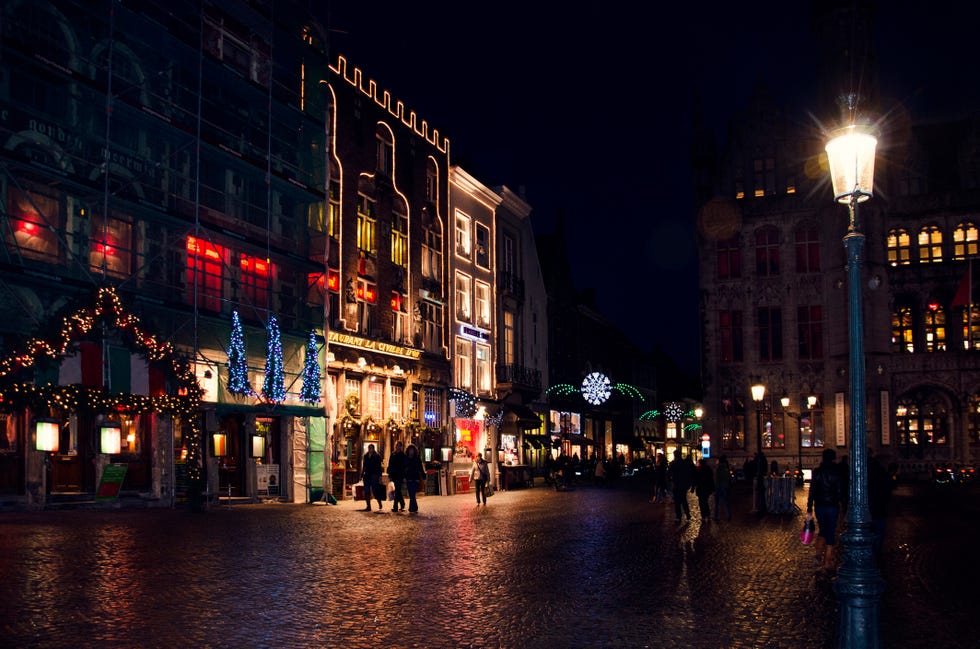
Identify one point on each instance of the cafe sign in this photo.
(347, 340)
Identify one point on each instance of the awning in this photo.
(523, 416)
(579, 440)
(537, 441)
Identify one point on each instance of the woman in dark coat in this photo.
(414, 474)
(704, 486)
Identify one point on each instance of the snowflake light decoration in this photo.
(674, 411)
(595, 388)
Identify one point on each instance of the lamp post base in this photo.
(859, 587)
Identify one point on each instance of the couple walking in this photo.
(404, 467)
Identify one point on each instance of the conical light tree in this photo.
(311, 372)
(273, 389)
(237, 361)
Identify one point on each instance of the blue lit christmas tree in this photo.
(311, 372)
(273, 388)
(237, 362)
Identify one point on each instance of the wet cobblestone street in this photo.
(534, 568)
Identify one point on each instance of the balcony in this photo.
(510, 284)
(518, 378)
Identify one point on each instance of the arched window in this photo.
(386, 150)
(807, 250)
(899, 247)
(431, 247)
(903, 340)
(965, 238)
(431, 182)
(920, 421)
(935, 328)
(930, 244)
(729, 258)
(767, 251)
(399, 234)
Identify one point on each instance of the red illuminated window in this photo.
(110, 244)
(255, 280)
(205, 264)
(367, 292)
(34, 225)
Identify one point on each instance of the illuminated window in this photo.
(730, 336)
(764, 176)
(110, 245)
(482, 246)
(970, 324)
(464, 363)
(770, 322)
(509, 350)
(314, 213)
(464, 293)
(930, 244)
(367, 297)
(483, 368)
(432, 319)
(366, 224)
(899, 247)
(935, 328)
(729, 259)
(205, 273)
(255, 281)
(431, 247)
(463, 243)
(400, 331)
(767, 251)
(34, 225)
(433, 407)
(809, 323)
(902, 333)
(807, 250)
(965, 238)
(482, 298)
(386, 150)
(399, 238)
(376, 399)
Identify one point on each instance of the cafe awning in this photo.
(524, 417)
(580, 440)
(537, 441)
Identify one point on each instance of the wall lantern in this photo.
(219, 444)
(46, 434)
(110, 437)
(447, 453)
(258, 446)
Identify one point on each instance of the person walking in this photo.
(825, 499)
(414, 474)
(660, 479)
(371, 476)
(723, 484)
(396, 473)
(600, 472)
(704, 486)
(681, 472)
(479, 476)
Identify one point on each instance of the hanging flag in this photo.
(964, 292)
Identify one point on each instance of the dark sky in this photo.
(588, 110)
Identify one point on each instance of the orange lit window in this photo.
(205, 264)
(367, 292)
(255, 280)
(34, 225)
(110, 245)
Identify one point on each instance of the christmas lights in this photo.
(237, 361)
(595, 388)
(310, 392)
(273, 388)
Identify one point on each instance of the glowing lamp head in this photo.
(46, 435)
(851, 155)
(758, 392)
(110, 438)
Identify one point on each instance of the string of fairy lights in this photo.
(107, 310)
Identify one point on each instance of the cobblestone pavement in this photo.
(534, 568)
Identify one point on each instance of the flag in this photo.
(964, 292)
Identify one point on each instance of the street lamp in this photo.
(758, 394)
(784, 402)
(851, 153)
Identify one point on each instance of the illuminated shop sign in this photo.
(474, 333)
(348, 340)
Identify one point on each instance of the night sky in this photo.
(588, 110)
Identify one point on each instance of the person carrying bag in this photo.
(480, 477)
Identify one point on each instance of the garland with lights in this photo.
(311, 372)
(650, 414)
(107, 310)
(465, 402)
(237, 361)
(274, 388)
(352, 404)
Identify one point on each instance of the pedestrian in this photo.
(681, 472)
(371, 476)
(600, 472)
(414, 474)
(704, 486)
(824, 500)
(880, 484)
(660, 479)
(480, 476)
(396, 474)
(723, 483)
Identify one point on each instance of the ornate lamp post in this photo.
(851, 153)
(759, 496)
